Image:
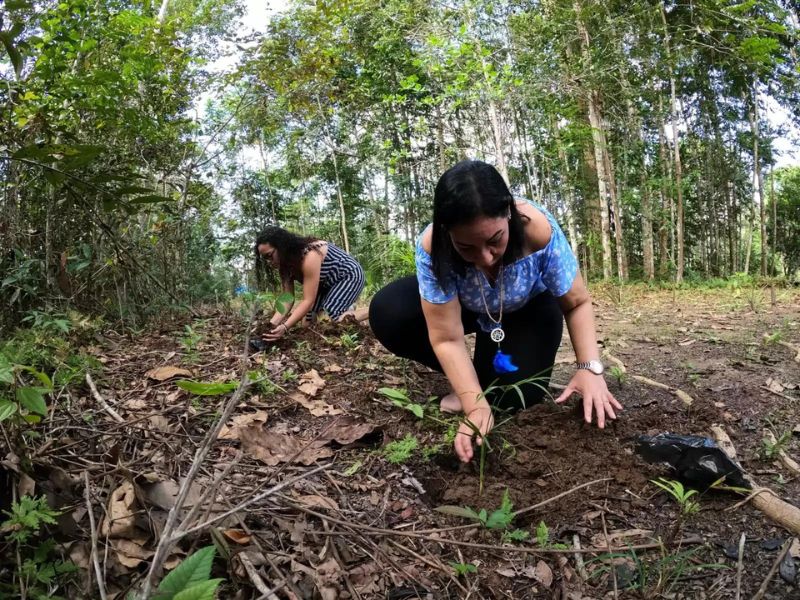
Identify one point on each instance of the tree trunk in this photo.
(598, 139)
(679, 261)
(758, 184)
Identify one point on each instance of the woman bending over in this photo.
(331, 279)
(501, 268)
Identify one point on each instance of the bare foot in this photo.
(450, 404)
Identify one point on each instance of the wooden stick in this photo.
(765, 584)
(740, 566)
(255, 578)
(106, 407)
(101, 586)
(783, 513)
(786, 460)
(559, 496)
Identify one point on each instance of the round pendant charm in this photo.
(497, 335)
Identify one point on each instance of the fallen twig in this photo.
(255, 578)
(105, 405)
(740, 566)
(101, 586)
(765, 584)
(559, 496)
(763, 499)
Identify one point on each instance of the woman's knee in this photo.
(395, 312)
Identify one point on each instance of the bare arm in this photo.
(312, 263)
(576, 305)
(446, 334)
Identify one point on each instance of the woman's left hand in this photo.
(596, 397)
(276, 333)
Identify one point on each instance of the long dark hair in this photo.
(290, 248)
(466, 191)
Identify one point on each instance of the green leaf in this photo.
(13, 53)
(201, 591)
(196, 569)
(6, 370)
(133, 189)
(206, 389)
(42, 377)
(7, 409)
(32, 399)
(394, 394)
(464, 512)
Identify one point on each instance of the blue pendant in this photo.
(502, 363)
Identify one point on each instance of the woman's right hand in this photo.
(482, 420)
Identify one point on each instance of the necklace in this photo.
(497, 334)
(502, 362)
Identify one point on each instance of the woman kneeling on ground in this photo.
(332, 279)
(500, 268)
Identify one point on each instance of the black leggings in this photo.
(533, 335)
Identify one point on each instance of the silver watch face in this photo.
(595, 366)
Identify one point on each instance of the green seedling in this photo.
(190, 342)
(462, 569)
(349, 341)
(682, 496)
(38, 567)
(617, 373)
(499, 519)
(400, 451)
(400, 398)
(772, 449)
(289, 375)
(543, 537)
(517, 535)
(191, 578)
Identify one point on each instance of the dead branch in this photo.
(101, 401)
(559, 496)
(101, 586)
(783, 513)
(740, 566)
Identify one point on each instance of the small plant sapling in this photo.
(462, 569)
(400, 451)
(400, 399)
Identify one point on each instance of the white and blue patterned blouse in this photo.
(553, 269)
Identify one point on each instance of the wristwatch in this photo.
(595, 366)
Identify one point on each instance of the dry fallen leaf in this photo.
(311, 383)
(164, 493)
(26, 485)
(334, 368)
(318, 408)
(167, 372)
(599, 540)
(237, 535)
(160, 423)
(346, 430)
(317, 501)
(131, 553)
(120, 518)
(231, 432)
(543, 574)
(274, 448)
(775, 386)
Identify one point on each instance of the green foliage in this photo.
(190, 580)
(400, 398)
(617, 373)
(400, 451)
(190, 342)
(681, 495)
(349, 341)
(499, 519)
(199, 388)
(27, 517)
(771, 449)
(517, 535)
(658, 577)
(39, 569)
(462, 569)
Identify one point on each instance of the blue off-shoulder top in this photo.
(553, 269)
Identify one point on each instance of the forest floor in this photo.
(365, 526)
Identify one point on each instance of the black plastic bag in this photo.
(697, 461)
